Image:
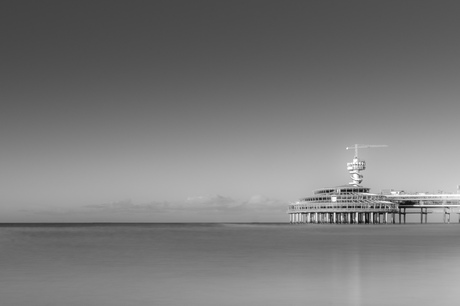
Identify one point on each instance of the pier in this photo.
(355, 204)
(420, 203)
(363, 208)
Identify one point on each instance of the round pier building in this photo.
(348, 204)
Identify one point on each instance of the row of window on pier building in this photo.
(339, 206)
(345, 198)
(342, 190)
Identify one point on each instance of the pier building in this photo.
(355, 204)
(350, 203)
(343, 204)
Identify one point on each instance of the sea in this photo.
(197, 264)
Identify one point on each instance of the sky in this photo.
(226, 111)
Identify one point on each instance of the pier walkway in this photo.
(420, 203)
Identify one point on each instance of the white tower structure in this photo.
(358, 165)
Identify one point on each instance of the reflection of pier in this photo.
(420, 203)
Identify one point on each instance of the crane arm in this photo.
(362, 146)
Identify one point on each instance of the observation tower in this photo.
(357, 165)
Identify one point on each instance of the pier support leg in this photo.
(447, 215)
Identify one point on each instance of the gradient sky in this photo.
(220, 110)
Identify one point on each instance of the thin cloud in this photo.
(214, 203)
(129, 206)
(261, 202)
(210, 208)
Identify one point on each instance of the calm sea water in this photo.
(229, 264)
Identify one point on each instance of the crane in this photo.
(358, 165)
(362, 146)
